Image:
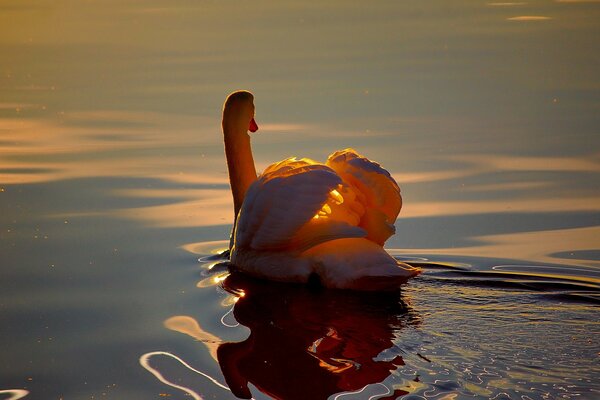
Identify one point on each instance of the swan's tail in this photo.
(359, 264)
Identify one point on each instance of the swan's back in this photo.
(277, 213)
(301, 218)
(377, 190)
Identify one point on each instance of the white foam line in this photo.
(226, 324)
(388, 391)
(144, 362)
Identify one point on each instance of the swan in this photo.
(301, 220)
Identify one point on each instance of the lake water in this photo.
(114, 199)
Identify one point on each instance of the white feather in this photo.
(281, 202)
(301, 217)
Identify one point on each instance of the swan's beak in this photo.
(253, 127)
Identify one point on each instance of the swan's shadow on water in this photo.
(307, 343)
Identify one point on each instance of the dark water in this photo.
(113, 184)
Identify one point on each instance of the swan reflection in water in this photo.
(308, 343)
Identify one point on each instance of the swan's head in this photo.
(238, 112)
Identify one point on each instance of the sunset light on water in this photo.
(116, 207)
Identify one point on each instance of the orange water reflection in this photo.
(214, 206)
(536, 246)
(132, 89)
(532, 205)
(190, 327)
(529, 18)
(15, 394)
(204, 208)
(303, 343)
(310, 345)
(102, 143)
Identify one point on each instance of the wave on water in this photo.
(551, 281)
(145, 363)
(15, 394)
(473, 321)
(561, 282)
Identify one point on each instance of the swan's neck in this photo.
(239, 162)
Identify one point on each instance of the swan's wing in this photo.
(279, 209)
(374, 187)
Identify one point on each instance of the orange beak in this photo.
(253, 127)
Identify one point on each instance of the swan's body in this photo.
(302, 219)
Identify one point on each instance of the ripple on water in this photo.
(15, 394)
(466, 328)
(567, 283)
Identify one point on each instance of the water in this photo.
(113, 184)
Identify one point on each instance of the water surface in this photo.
(113, 184)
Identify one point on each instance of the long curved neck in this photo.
(239, 162)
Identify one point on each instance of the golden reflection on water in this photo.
(189, 326)
(298, 336)
(211, 247)
(130, 90)
(534, 246)
(529, 18)
(214, 208)
(430, 176)
(209, 207)
(15, 394)
(493, 162)
(506, 4)
(128, 144)
(100, 143)
(430, 209)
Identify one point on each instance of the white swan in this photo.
(301, 219)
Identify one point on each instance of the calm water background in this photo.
(113, 183)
